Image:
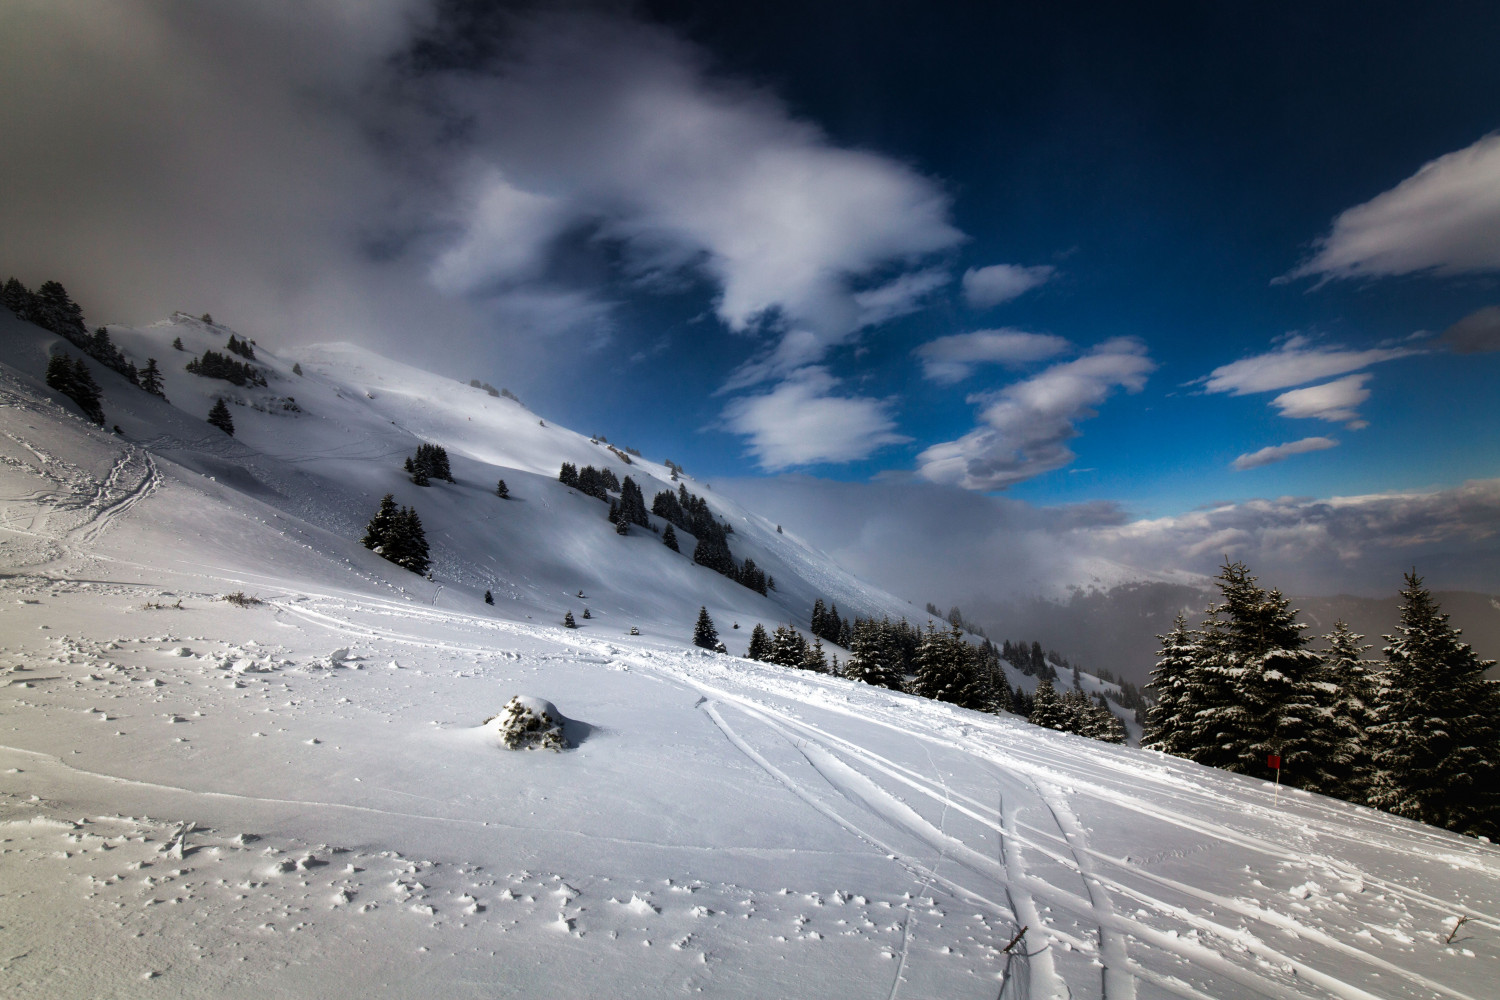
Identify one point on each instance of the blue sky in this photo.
(1145, 192)
(1138, 263)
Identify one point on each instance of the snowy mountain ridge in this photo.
(295, 793)
(324, 446)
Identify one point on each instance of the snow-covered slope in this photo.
(298, 797)
(323, 448)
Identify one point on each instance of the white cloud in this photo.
(626, 127)
(952, 359)
(990, 286)
(1277, 453)
(928, 542)
(507, 236)
(1444, 219)
(800, 422)
(1336, 401)
(1295, 363)
(899, 297)
(1026, 426)
(1476, 333)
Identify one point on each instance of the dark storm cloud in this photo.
(162, 154)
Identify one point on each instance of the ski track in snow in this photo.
(1113, 929)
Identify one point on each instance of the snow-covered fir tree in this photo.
(1437, 741)
(502, 491)
(870, 658)
(1169, 722)
(669, 539)
(568, 621)
(1047, 708)
(1351, 681)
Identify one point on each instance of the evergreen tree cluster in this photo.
(240, 347)
(689, 512)
(827, 625)
(787, 647)
(51, 308)
(212, 364)
(1417, 734)
(632, 506)
(396, 534)
(1074, 712)
(597, 483)
(1030, 660)
(71, 377)
(429, 463)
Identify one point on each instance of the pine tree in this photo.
(870, 659)
(1169, 721)
(622, 527)
(760, 646)
(669, 539)
(1437, 744)
(788, 648)
(814, 659)
(489, 598)
(633, 504)
(937, 674)
(408, 545)
(502, 491)
(52, 309)
(1353, 682)
(296, 368)
(378, 531)
(1254, 691)
(177, 343)
(704, 633)
(1046, 707)
(17, 298)
(417, 474)
(569, 475)
(150, 379)
(568, 621)
(220, 418)
(586, 614)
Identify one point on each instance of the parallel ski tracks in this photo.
(1102, 875)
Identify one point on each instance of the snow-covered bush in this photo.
(529, 724)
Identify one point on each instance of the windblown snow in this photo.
(295, 794)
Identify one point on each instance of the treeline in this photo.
(933, 663)
(1416, 733)
(212, 364)
(51, 308)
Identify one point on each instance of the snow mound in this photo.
(529, 723)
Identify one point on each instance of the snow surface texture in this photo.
(299, 797)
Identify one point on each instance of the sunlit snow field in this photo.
(297, 798)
